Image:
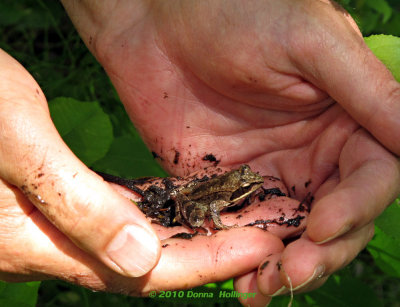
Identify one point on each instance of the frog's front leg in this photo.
(215, 208)
(195, 213)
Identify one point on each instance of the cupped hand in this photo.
(58, 219)
(286, 86)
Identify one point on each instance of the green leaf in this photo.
(129, 157)
(281, 301)
(10, 14)
(84, 126)
(227, 285)
(343, 292)
(385, 246)
(388, 221)
(369, 21)
(387, 49)
(386, 251)
(381, 6)
(18, 294)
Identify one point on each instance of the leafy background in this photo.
(93, 122)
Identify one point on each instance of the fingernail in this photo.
(342, 231)
(134, 250)
(318, 273)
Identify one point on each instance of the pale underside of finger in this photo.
(247, 283)
(40, 251)
(305, 262)
(268, 276)
(32, 248)
(264, 281)
(206, 259)
(369, 183)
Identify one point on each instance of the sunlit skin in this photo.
(52, 207)
(250, 82)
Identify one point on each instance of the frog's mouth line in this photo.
(242, 192)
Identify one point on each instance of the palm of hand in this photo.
(235, 102)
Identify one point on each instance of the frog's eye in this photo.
(244, 169)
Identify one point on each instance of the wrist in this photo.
(99, 22)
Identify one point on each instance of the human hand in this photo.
(63, 192)
(257, 83)
(57, 218)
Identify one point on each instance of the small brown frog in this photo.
(197, 200)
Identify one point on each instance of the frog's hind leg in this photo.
(215, 207)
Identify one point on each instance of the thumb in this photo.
(335, 58)
(78, 202)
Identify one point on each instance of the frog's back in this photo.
(221, 185)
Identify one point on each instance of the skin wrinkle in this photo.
(260, 126)
(252, 135)
(256, 106)
(175, 145)
(374, 166)
(307, 49)
(255, 111)
(358, 138)
(184, 67)
(336, 147)
(394, 97)
(379, 111)
(71, 273)
(136, 92)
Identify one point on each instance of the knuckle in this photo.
(392, 102)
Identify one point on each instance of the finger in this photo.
(282, 216)
(44, 252)
(369, 183)
(318, 282)
(268, 277)
(306, 262)
(77, 201)
(216, 258)
(247, 283)
(32, 248)
(332, 55)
